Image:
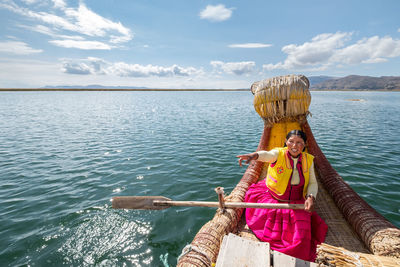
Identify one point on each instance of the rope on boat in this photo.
(188, 248)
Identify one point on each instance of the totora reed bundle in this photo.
(338, 256)
(282, 98)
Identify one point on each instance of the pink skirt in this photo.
(292, 232)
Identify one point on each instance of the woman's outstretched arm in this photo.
(264, 156)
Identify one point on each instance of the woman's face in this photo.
(295, 145)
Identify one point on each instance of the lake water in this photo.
(64, 155)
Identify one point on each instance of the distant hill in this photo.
(355, 82)
(352, 82)
(319, 79)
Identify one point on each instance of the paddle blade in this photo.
(138, 202)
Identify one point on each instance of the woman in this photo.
(290, 178)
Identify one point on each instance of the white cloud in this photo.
(22, 72)
(98, 66)
(329, 49)
(29, 2)
(18, 48)
(59, 4)
(81, 21)
(85, 45)
(216, 13)
(137, 70)
(375, 60)
(47, 31)
(91, 65)
(317, 52)
(250, 45)
(92, 24)
(238, 68)
(369, 50)
(76, 68)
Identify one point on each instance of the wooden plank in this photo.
(222, 250)
(240, 252)
(281, 259)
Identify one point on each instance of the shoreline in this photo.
(109, 89)
(166, 90)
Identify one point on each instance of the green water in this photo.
(64, 155)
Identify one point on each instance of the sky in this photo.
(193, 44)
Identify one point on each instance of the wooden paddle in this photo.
(160, 202)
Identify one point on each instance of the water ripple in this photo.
(63, 156)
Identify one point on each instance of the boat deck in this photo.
(340, 233)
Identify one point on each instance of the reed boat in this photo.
(357, 235)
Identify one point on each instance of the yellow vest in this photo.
(279, 174)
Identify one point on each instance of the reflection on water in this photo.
(105, 238)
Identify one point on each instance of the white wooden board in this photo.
(236, 251)
(281, 259)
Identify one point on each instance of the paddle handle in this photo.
(160, 202)
(246, 205)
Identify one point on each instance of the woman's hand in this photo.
(247, 158)
(309, 204)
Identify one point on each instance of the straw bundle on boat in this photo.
(338, 256)
(282, 98)
(353, 225)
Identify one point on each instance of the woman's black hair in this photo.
(299, 133)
